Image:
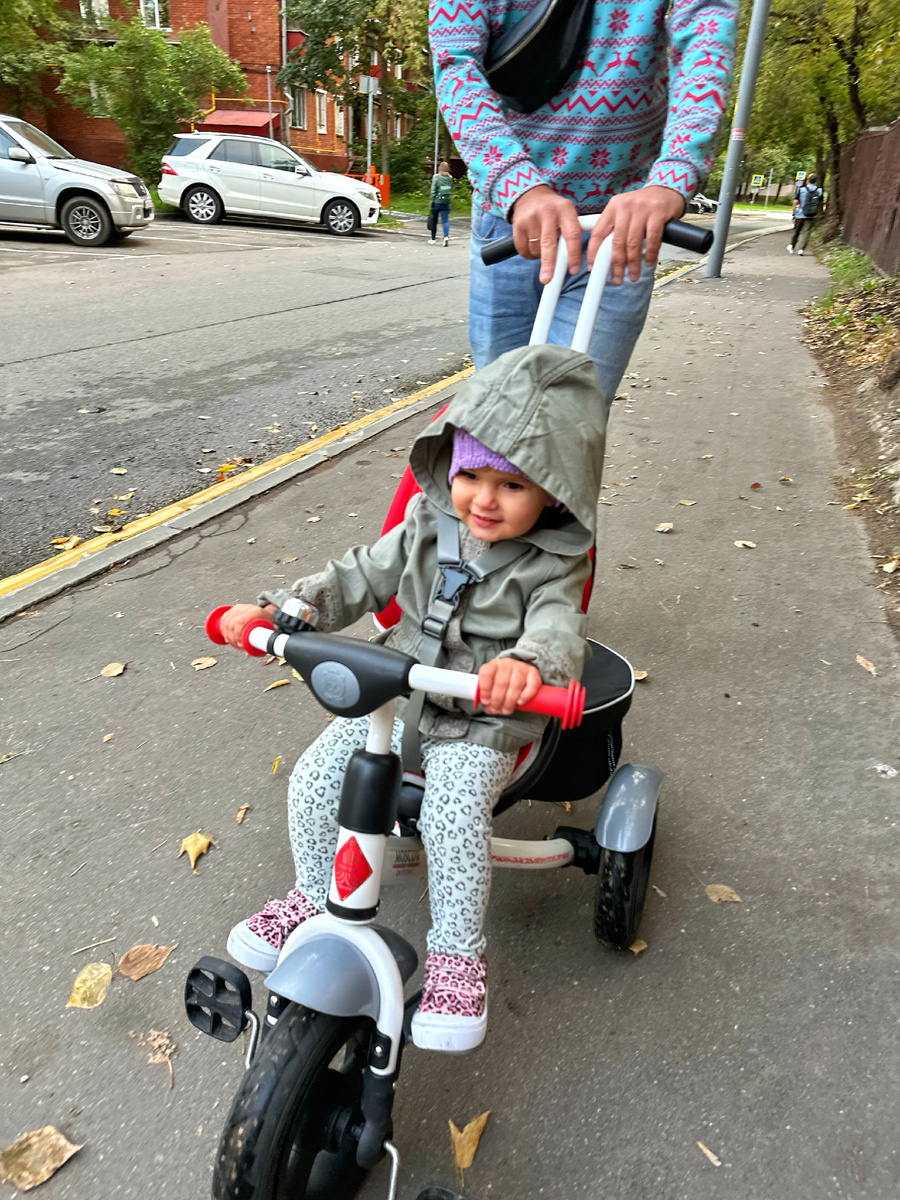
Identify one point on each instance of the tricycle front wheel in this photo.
(621, 890)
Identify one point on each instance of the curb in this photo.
(751, 237)
(52, 576)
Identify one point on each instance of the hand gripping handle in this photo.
(214, 630)
(566, 703)
(677, 233)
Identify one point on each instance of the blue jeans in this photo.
(444, 210)
(503, 300)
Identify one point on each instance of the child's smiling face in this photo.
(496, 505)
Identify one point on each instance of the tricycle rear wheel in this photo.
(621, 890)
(288, 1134)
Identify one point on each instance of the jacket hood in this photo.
(541, 408)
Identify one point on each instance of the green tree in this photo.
(149, 86)
(339, 32)
(32, 33)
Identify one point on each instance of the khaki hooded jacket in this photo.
(541, 408)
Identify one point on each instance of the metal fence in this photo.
(870, 190)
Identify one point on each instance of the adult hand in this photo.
(632, 218)
(505, 683)
(538, 218)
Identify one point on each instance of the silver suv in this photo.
(43, 184)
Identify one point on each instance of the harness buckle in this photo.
(434, 626)
(455, 577)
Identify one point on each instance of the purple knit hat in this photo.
(469, 454)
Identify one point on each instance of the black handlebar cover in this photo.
(676, 233)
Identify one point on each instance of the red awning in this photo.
(223, 121)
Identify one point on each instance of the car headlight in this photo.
(124, 188)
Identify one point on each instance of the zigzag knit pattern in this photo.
(643, 107)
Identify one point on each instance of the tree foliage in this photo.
(32, 32)
(148, 85)
(341, 32)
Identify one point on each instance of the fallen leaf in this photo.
(161, 1048)
(892, 564)
(465, 1142)
(226, 467)
(276, 764)
(10, 754)
(293, 558)
(118, 471)
(640, 675)
(108, 737)
(866, 665)
(34, 1157)
(207, 449)
(90, 986)
(115, 512)
(102, 528)
(112, 669)
(721, 893)
(250, 541)
(706, 456)
(204, 470)
(194, 846)
(659, 891)
(687, 503)
(628, 566)
(200, 664)
(312, 520)
(155, 921)
(665, 527)
(785, 479)
(296, 674)
(241, 813)
(143, 960)
(755, 486)
(709, 1154)
(276, 684)
(638, 946)
(744, 545)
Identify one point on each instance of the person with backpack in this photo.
(806, 206)
(441, 187)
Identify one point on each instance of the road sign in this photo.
(368, 85)
(757, 180)
(800, 176)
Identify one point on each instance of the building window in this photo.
(298, 107)
(154, 13)
(321, 112)
(95, 11)
(398, 127)
(375, 59)
(338, 121)
(399, 71)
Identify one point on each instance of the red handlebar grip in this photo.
(214, 624)
(565, 703)
(259, 623)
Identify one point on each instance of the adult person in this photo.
(441, 188)
(807, 201)
(633, 132)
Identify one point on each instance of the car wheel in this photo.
(341, 217)
(202, 205)
(86, 221)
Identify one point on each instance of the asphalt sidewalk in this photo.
(764, 1029)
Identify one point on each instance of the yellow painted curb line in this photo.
(42, 569)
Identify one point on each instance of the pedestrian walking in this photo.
(441, 188)
(807, 201)
(631, 130)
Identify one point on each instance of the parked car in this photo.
(43, 184)
(702, 204)
(211, 175)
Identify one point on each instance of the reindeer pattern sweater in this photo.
(643, 107)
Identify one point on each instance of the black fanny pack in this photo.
(530, 63)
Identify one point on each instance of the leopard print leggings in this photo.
(463, 783)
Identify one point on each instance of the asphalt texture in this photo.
(763, 1028)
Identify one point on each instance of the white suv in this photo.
(209, 175)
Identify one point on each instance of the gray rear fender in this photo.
(626, 815)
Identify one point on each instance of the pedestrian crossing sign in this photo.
(757, 180)
(800, 176)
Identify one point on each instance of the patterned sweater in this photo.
(643, 107)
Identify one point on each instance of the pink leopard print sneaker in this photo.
(452, 1015)
(257, 941)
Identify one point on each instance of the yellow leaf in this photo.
(855, 504)
(297, 674)
(277, 683)
(118, 471)
(102, 528)
(709, 1154)
(112, 669)
(744, 545)
(226, 467)
(143, 960)
(866, 665)
(200, 664)
(90, 986)
(638, 946)
(276, 764)
(108, 737)
(293, 558)
(640, 675)
(465, 1143)
(241, 813)
(665, 527)
(13, 754)
(785, 479)
(114, 512)
(67, 543)
(194, 846)
(721, 893)
(706, 456)
(687, 503)
(34, 1157)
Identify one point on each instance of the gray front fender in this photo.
(626, 815)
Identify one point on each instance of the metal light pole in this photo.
(437, 127)
(756, 38)
(269, 94)
(368, 85)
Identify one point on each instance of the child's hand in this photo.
(239, 615)
(505, 683)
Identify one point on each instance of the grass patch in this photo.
(388, 222)
(420, 200)
(858, 318)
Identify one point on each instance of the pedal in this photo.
(218, 999)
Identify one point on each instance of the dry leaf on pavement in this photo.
(745, 545)
(108, 737)
(66, 543)
(194, 846)
(276, 764)
(659, 891)
(866, 665)
(241, 813)
(161, 1048)
(687, 503)
(465, 1142)
(716, 1162)
(143, 960)
(891, 564)
(312, 520)
(112, 669)
(34, 1157)
(785, 479)
(721, 892)
(118, 471)
(11, 754)
(90, 986)
(665, 527)
(638, 946)
(200, 664)
(278, 683)
(640, 675)
(755, 486)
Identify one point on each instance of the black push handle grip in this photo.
(677, 233)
